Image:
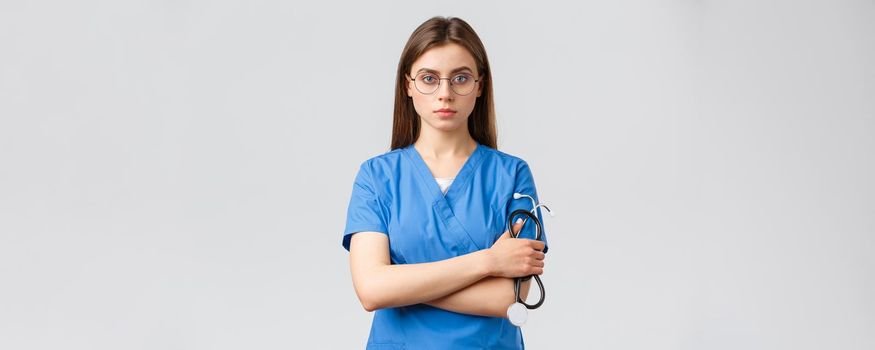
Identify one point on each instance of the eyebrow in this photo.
(453, 71)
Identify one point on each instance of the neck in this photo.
(437, 144)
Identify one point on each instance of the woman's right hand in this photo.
(516, 257)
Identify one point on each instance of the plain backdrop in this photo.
(175, 174)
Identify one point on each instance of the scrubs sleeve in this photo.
(525, 184)
(365, 211)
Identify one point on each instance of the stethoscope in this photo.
(518, 312)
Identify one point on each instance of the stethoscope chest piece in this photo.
(517, 313)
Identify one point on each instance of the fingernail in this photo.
(519, 220)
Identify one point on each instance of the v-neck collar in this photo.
(460, 181)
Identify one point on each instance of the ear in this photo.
(409, 87)
(479, 87)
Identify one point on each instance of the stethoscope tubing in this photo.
(519, 280)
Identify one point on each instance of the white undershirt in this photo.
(444, 183)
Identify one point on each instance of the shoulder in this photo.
(382, 164)
(504, 160)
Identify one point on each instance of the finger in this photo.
(518, 225)
(539, 255)
(537, 244)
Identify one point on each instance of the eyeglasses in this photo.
(428, 83)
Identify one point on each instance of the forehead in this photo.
(445, 58)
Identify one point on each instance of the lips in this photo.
(445, 113)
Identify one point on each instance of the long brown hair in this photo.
(434, 32)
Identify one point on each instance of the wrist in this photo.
(486, 263)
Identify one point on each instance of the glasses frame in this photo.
(440, 82)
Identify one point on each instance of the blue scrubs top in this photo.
(396, 194)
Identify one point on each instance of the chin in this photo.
(447, 125)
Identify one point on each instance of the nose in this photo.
(445, 91)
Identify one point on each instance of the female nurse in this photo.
(426, 221)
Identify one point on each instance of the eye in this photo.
(461, 79)
(428, 78)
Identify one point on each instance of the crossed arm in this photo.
(462, 284)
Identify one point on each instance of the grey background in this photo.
(175, 174)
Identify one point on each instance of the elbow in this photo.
(506, 302)
(496, 304)
(369, 300)
(369, 307)
(497, 309)
(503, 301)
(370, 304)
(369, 291)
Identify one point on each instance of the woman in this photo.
(425, 221)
